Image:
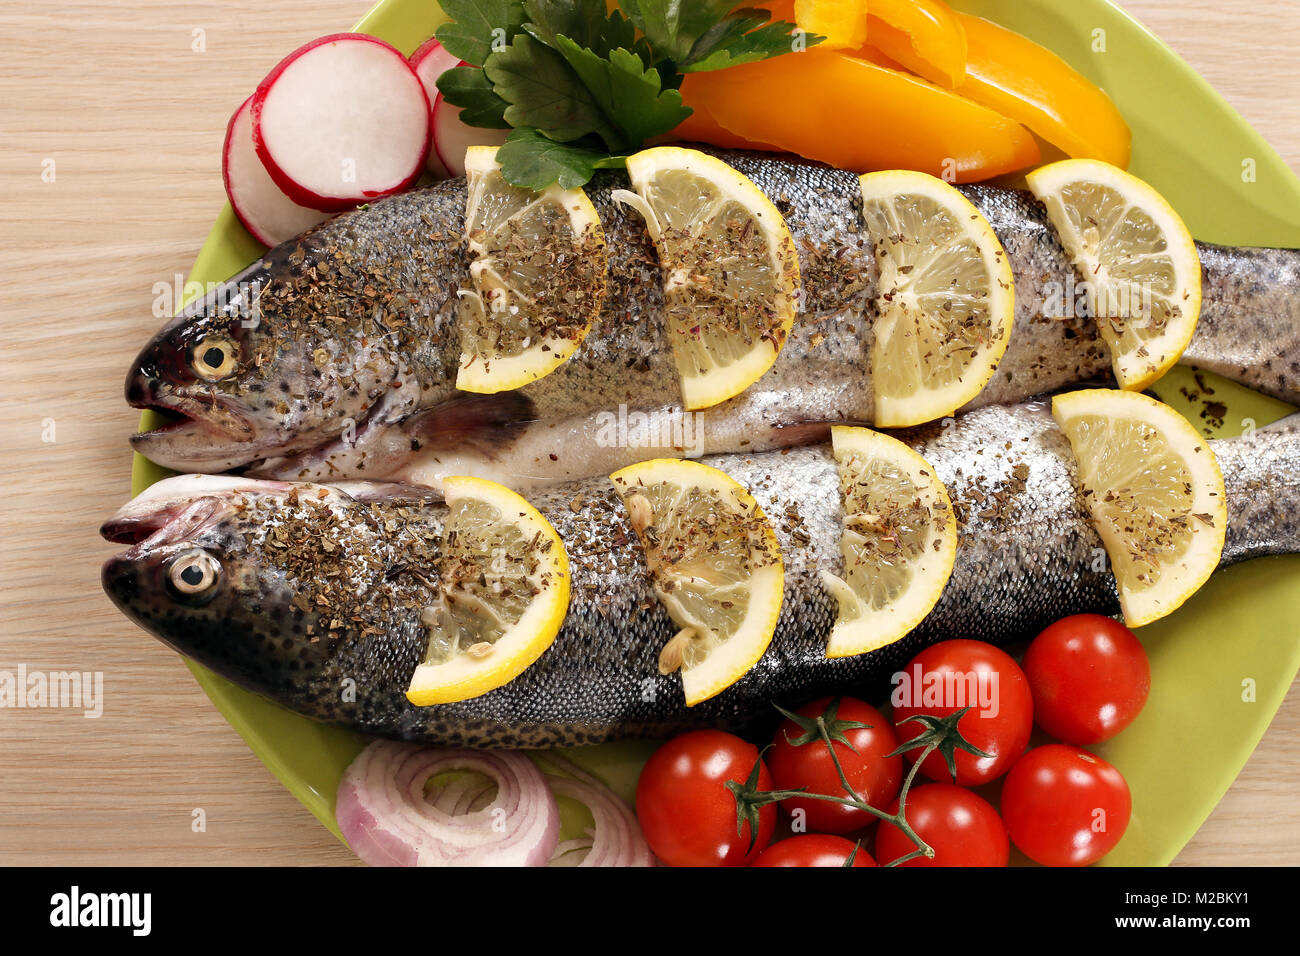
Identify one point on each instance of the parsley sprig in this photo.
(580, 86)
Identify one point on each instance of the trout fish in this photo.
(316, 597)
(334, 356)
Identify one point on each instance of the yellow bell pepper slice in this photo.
(924, 36)
(850, 113)
(701, 127)
(842, 22)
(1015, 76)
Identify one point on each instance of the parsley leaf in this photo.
(587, 24)
(627, 91)
(735, 41)
(479, 27)
(534, 161)
(583, 84)
(545, 93)
(672, 26)
(700, 35)
(469, 88)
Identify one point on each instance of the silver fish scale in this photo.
(409, 416)
(1017, 569)
(626, 357)
(1049, 350)
(1249, 326)
(1261, 472)
(1027, 556)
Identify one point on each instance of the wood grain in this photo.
(132, 115)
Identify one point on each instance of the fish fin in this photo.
(488, 423)
(790, 434)
(368, 491)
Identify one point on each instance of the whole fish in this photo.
(335, 355)
(317, 601)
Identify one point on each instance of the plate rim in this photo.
(225, 696)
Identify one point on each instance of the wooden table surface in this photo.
(132, 117)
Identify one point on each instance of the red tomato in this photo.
(813, 849)
(946, 677)
(1089, 676)
(1065, 806)
(963, 829)
(687, 813)
(874, 775)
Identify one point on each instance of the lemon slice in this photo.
(899, 541)
(1139, 267)
(716, 566)
(1155, 493)
(945, 300)
(503, 594)
(538, 272)
(731, 273)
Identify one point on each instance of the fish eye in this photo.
(214, 358)
(194, 573)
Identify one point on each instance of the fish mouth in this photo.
(175, 508)
(173, 421)
(190, 434)
(167, 523)
(182, 415)
(135, 529)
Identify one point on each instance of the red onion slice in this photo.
(387, 819)
(616, 838)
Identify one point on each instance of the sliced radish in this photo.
(430, 61)
(266, 212)
(341, 121)
(451, 137)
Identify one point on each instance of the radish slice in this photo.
(268, 214)
(341, 121)
(451, 137)
(429, 62)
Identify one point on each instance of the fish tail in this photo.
(1249, 327)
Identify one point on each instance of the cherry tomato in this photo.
(874, 775)
(1065, 806)
(687, 813)
(813, 849)
(946, 677)
(962, 828)
(1089, 676)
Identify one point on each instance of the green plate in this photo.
(1220, 665)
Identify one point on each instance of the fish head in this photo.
(197, 576)
(251, 373)
(264, 581)
(196, 372)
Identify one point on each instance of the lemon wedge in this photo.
(539, 271)
(716, 565)
(945, 299)
(731, 273)
(1155, 493)
(1140, 271)
(503, 594)
(899, 541)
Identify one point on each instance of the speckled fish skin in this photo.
(350, 369)
(1019, 567)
